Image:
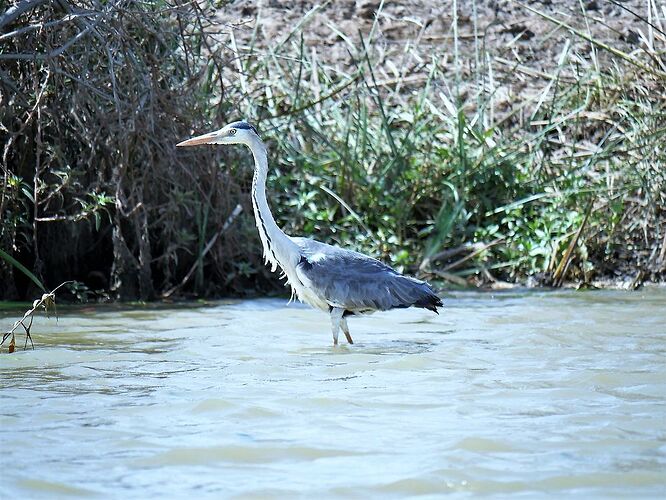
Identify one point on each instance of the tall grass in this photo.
(423, 157)
(424, 171)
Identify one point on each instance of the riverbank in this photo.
(497, 144)
(502, 143)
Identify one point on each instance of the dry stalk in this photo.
(47, 302)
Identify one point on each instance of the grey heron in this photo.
(338, 281)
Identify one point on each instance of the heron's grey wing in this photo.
(356, 282)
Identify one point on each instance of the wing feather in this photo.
(358, 283)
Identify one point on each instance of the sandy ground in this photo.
(517, 49)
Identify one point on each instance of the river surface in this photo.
(535, 393)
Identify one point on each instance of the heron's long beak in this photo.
(200, 139)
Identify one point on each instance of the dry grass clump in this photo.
(602, 150)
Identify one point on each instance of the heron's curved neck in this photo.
(278, 247)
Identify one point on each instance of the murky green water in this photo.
(538, 393)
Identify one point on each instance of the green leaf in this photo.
(28, 194)
(23, 269)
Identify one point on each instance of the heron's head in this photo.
(234, 133)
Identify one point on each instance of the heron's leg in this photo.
(345, 330)
(336, 320)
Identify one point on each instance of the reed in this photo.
(405, 168)
(423, 157)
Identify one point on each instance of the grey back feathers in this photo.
(358, 283)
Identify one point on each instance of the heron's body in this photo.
(326, 277)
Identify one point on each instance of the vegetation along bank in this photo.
(496, 143)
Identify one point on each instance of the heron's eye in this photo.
(232, 131)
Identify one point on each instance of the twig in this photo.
(351, 211)
(476, 249)
(476, 252)
(13, 13)
(449, 277)
(40, 26)
(563, 266)
(448, 253)
(51, 55)
(47, 300)
(206, 249)
(637, 282)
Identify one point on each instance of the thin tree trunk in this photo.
(146, 289)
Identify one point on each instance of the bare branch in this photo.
(50, 24)
(12, 13)
(53, 54)
(236, 212)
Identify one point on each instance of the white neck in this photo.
(279, 249)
